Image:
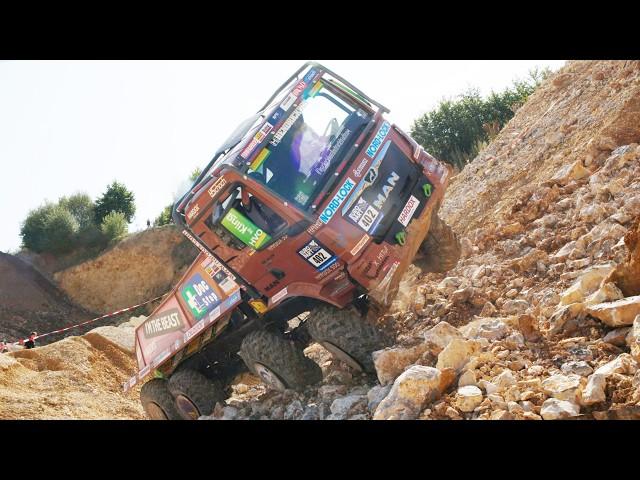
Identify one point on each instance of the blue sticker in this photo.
(309, 76)
(377, 140)
(199, 296)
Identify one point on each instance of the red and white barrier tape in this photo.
(112, 314)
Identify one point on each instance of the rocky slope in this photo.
(541, 317)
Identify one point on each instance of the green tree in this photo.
(81, 207)
(195, 174)
(165, 217)
(61, 231)
(114, 225)
(49, 228)
(457, 129)
(34, 228)
(116, 199)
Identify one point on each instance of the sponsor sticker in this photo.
(337, 200)
(199, 296)
(301, 198)
(331, 268)
(363, 241)
(378, 139)
(286, 104)
(368, 179)
(192, 213)
(316, 255)
(244, 229)
(309, 76)
(280, 295)
(288, 123)
(167, 321)
(260, 158)
(322, 165)
(256, 140)
(217, 186)
(315, 89)
(368, 218)
(408, 210)
(358, 170)
(315, 227)
(357, 211)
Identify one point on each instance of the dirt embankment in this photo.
(140, 267)
(28, 302)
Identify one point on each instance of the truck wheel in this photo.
(278, 362)
(440, 250)
(194, 394)
(157, 401)
(346, 335)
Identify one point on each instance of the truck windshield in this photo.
(306, 148)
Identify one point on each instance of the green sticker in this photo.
(427, 189)
(244, 229)
(401, 237)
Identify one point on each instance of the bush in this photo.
(116, 199)
(114, 225)
(49, 228)
(457, 129)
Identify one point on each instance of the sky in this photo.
(76, 126)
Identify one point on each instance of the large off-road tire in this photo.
(278, 362)
(157, 400)
(194, 394)
(347, 335)
(440, 250)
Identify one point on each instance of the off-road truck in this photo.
(313, 208)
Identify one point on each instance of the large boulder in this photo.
(441, 335)
(616, 314)
(410, 393)
(562, 387)
(554, 409)
(391, 362)
(457, 354)
(586, 284)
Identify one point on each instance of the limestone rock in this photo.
(554, 409)
(457, 353)
(633, 339)
(579, 367)
(468, 398)
(391, 362)
(594, 391)
(562, 387)
(616, 314)
(441, 335)
(617, 336)
(468, 377)
(376, 395)
(490, 328)
(410, 392)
